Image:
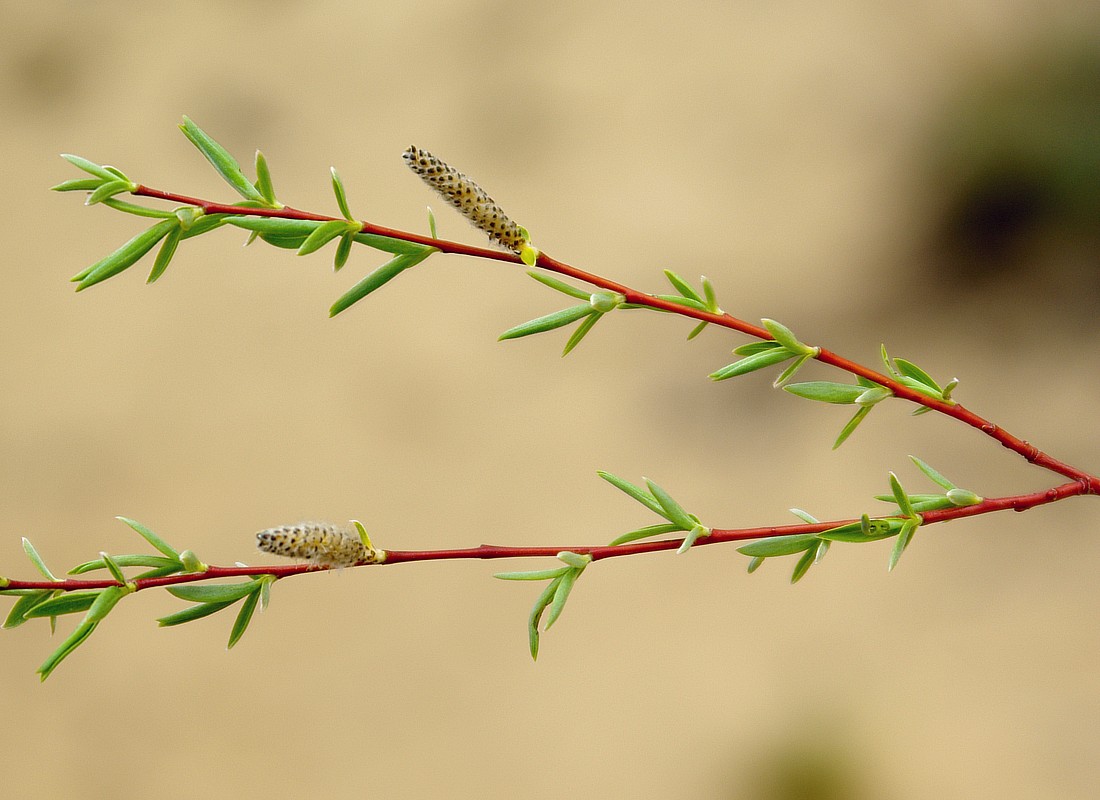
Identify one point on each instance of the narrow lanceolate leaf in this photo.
(760, 360)
(576, 560)
(645, 533)
(561, 594)
(779, 545)
(343, 250)
(136, 210)
(125, 257)
(805, 517)
(68, 603)
(802, 567)
(908, 528)
(683, 287)
(826, 391)
(341, 194)
(697, 330)
(911, 370)
(148, 535)
(789, 372)
(642, 496)
(533, 575)
(932, 474)
(275, 225)
(696, 533)
(381, 276)
(851, 425)
(224, 163)
(90, 167)
(212, 593)
(113, 567)
(581, 331)
(387, 245)
(560, 286)
(193, 613)
(752, 348)
(77, 185)
(536, 615)
(36, 559)
(263, 180)
(785, 336)
(108, 190)
(18, 614)
(164, 255)
(900, 497)
(101, 606)
(322, 235)
(754, 564)
(542, 324)
(244, 616)
(670, 509)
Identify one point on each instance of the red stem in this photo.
(1021, 502)
(1090, 483)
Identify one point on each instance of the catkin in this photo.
(322, 543)
(470, 199)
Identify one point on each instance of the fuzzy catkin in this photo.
(470, 199)
(321, 543)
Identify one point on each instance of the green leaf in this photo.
(74, 640)
(90, 167)
(343, 250)
(205, 224)
(112, 567)
(752, 348)
(851, 425)
(804, 564)
(933, 476)
(779, 545)
(67, 603)
(853, 532)
(534, 575)
(164, 255)
(125, 257)
(826, 391)
(697, 330)
(708, 290)
(395, 246)
(696, 533)
(561, 594)
(754, 564)
(900, 497)
(963, 497)
(670, 509)
(802, 515)
(760, 360)
(263, 181)
(212, 593)
(108, 190)
(908, 528)
(911, 370)
(431, 223)
(638, 494)
(77, 185)
(560, 286)
(17, 615)
(536, 615)
(645, 533)
(871, 396)
(275, 225)
(146, 534)
(36, 559)
(324, 233)
(244, 616)
(341, 194)
(681, 301)
(581, 331)
(385, 273)
(684, 288)
(193, 613)
(224, 163)
(106, 600)
(542, 324)
(575, 560)
(789, 372)
(136, 210)
(785, 336)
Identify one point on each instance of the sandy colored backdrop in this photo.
(781, 150)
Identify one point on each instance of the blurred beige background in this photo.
(864, 172)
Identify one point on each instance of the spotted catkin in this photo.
(322, 543)
(465, 195)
